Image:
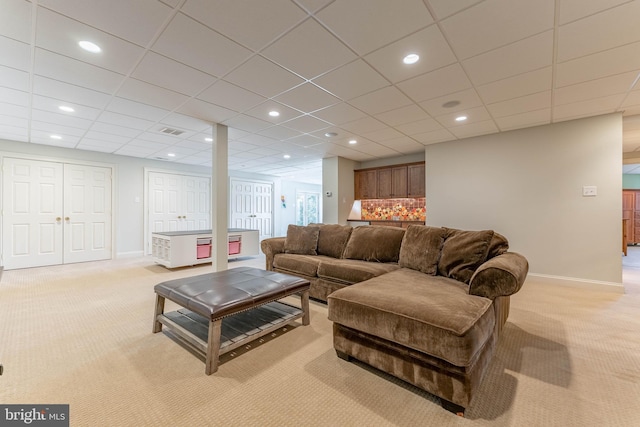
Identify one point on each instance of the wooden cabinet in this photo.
(631, 212)
(392, 182)
(366, 184)
(416, 180)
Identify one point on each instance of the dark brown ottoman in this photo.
(246, 297)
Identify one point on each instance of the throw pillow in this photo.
(498, 245)
(421, 247)
(333, 239)
(374, 243)
(463, 252)
(301, 240)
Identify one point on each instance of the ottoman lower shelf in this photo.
(236, 330)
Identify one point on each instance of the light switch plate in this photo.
(589, 190)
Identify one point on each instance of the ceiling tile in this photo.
(429, 44)
(474, 129)
(62, 119)
(633, 98)
(45, 130)
(263, 77)
(366, 25)
(517, 86)
(339, 113)
(434, 136)
(593, 34)
(305, 141)
(115, 130)
(404, 145)
(62, 68)
(117, 55)
(312, 5)
(367, 124)
(591, 107)
(186, 122)
(383, 135)
(522, 120)
(154, 135)
(106, 137)
(247, 123)
(52, 105)
(419, 127)
(520, 57)
(279, 133)
(601, 64)
(16, 97)
(351, 80)
(161, 71)
(261, 111)
(206, 111)
(309, 50)
(13, 110)
(14, 121)
(595, 88)
(15, 20)
(537, 101)
(15, 54)
(139, 24)
(444, 8)
(232, 96)
(98, 145)
(15, 79)
(572, 10)
(474, 115)
(306, 124)
(408, 114)
(117, 119)
(307, 98)
(437, 83)
(14, 133)
(466, 98)
(495, 23)
(136, 109)
(68, 92)
(153, 146)
(253, 26)
(208, 51)
(386, 99)
(149, 94)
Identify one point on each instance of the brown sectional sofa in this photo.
(425, 304)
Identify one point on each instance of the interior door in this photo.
(263, 209)
(87, 213)
(252, 206)
(32, 213)
(196, 202)
(164, 214)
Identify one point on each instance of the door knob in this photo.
(58, 219)
(66, 218)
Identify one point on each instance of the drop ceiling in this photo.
(325, 66)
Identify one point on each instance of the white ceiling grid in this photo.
(325, 65)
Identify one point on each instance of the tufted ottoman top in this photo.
(223, 293)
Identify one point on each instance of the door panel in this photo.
(252, 206)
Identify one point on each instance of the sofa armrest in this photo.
(502, 275)
(271, 247)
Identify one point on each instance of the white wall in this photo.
(337, 178)
(527, 185)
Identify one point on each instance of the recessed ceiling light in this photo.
(56, 137)
(89, 46)
(412, 58)
(171, 155)
(66, 109)
(461, 118)
(353, 141)
(286, 156)
(451, 104)
(274, 113)
(208, 139)
(330, 134)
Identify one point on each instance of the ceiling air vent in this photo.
(172, 131)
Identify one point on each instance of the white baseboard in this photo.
(574, 282)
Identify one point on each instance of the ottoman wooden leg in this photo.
(304, 304)
(213, 347)
(157, 326)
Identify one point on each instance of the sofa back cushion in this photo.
(498, 245)
(463, 252)
(332, 239)
(421, 247)
(301, 240)
(374, 243)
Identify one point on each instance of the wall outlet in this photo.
(589, 190)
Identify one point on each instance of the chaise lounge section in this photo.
(426, 304)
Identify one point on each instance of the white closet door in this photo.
(32, 214)
(196, 202)
(252, 206)
(87, 216)
(164, 194)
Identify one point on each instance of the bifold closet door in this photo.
(252, 206)
(32, 221)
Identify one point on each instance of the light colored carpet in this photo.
(81, 334)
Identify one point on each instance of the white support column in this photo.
(219, 198)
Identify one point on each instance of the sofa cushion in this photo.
(374, 243)
(301, 240)
(421, 248)
(463, 252)
(498, 245)
(349, 271)
(307, 265)
(332, 239)
(432, 314)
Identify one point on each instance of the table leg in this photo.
(304, 304)
(213, 347)
(157, 326)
